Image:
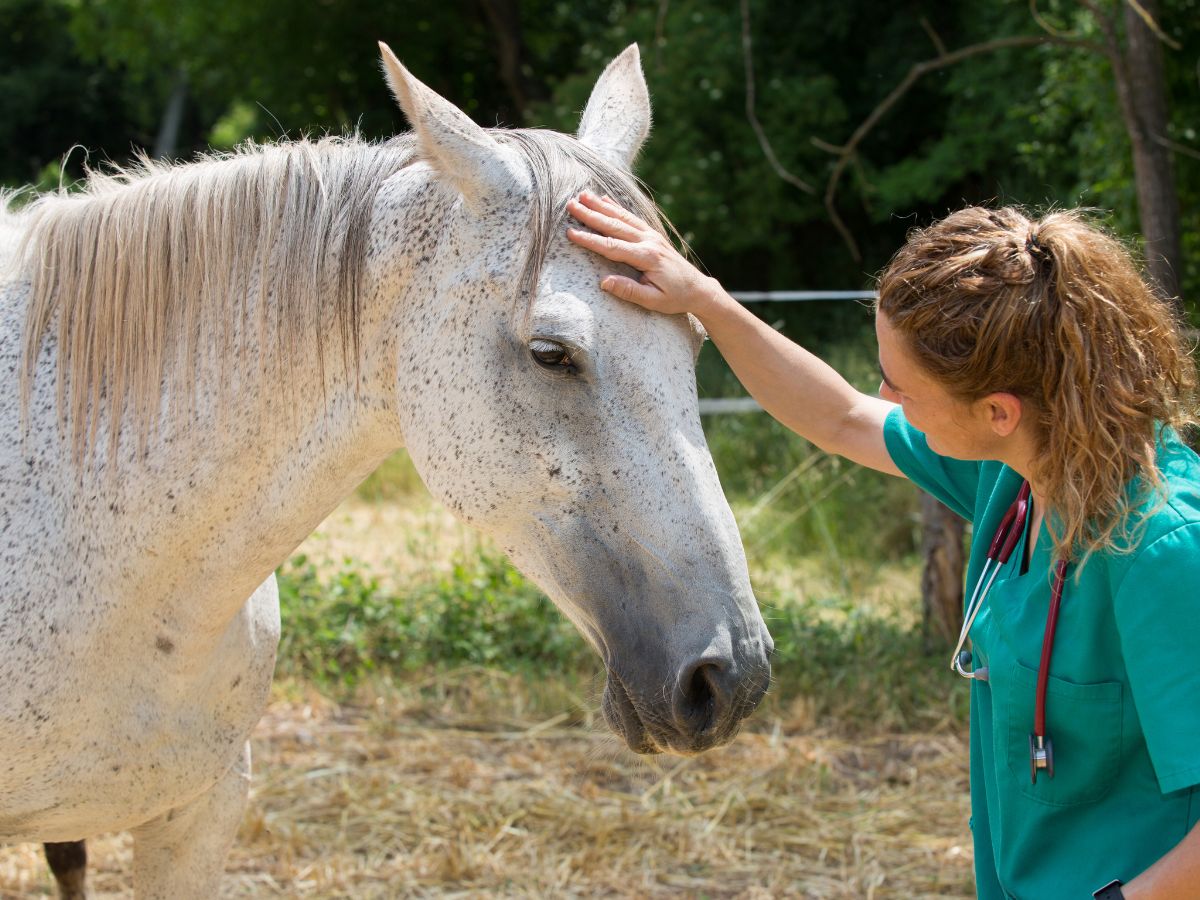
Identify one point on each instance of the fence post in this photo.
(942, 578)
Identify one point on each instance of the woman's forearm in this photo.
(793, 385)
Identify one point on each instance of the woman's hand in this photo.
(791, 384)
(669, 283)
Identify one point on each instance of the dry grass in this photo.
(393, 541)
(407, 798)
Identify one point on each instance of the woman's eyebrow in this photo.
(887, 380)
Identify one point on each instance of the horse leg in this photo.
(68, 862)
(181, 854)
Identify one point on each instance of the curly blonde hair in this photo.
(1054, 311)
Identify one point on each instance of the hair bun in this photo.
(1040, 255)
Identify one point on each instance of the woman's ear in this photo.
(1002, 412)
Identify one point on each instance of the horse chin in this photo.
(623, 718)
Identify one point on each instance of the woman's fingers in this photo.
(611, 248)
(617, 234)
(615, 210)
(623, 288)
(602, 221)
(668, 281)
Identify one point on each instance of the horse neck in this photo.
(224, 488)
(262, 466)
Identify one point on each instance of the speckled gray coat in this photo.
(554, 418)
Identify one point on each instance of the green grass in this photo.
(396, 479)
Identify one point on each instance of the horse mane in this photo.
(154, 263)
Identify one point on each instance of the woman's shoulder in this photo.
(1177, 503)
(1167, 521)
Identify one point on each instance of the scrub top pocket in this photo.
(1083, 721)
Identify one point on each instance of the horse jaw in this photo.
(617, 118)
(461, 152)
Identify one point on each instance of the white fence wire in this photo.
(719, 406)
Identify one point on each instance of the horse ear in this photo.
(617, 118)
(459, 150)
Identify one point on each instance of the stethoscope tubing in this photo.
(1005, 540)
(973, 609)
(1039, 713)
(999, 551)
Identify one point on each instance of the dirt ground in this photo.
(365, 802)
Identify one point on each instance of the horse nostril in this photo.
(703, 695)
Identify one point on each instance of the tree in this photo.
(51, 99)
(1131, 45)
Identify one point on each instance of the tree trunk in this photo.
(1146, 120)
(942, 578)
(505, 19)
(168, 131)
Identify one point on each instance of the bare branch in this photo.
(765, 144)
(835, 149)
(1153, 25)
(1175, 146)
(938, 43)
(846, 151)
(1043, 22)
(660, 32)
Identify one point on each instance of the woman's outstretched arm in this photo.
(790, 383)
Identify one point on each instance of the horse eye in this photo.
(551, 355)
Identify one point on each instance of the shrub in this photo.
(853, 670)
(341, 628)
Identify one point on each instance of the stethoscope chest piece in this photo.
(961, 666)
(1041, 756)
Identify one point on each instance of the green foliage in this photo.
(790, 497)
(51, 99)
(1038, 126)
(396, 478)
(853, 670)
(860, 671)
(341, 628)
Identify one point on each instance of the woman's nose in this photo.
(887, 393)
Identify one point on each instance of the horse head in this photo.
(559, 420)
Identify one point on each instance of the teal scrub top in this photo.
(1123, 701)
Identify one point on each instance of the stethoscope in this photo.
(1041, 748)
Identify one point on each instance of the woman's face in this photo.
(953, 427)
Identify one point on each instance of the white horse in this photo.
(215, 353)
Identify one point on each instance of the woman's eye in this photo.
(551, 355)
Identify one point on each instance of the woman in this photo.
(1012, 352)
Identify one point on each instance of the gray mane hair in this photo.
(156, 270)
(560, 167)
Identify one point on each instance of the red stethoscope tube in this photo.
(1012, 525)
(1041, 749)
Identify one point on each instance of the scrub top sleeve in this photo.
(954, 482)
(1157, 610)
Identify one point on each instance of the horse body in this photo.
(143, 502)
(117, 710)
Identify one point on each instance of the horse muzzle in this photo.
(703, 708)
